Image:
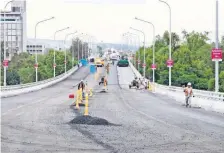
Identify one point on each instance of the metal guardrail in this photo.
(20, 86)
(218, 96)
(209, 95)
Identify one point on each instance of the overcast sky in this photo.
(108, 19)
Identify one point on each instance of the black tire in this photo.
(129, 86)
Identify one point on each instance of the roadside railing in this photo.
(26, 85)
(13, 90)
(209, 95)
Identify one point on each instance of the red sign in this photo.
(143, 65)
(54, 65)
(36, 65)
(153, 66)
(169, 63)
(216, 54)
(5, 63)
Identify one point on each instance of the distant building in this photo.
(42, 46)
(33, 47)
(15, 27)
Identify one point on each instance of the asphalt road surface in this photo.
(145, 122)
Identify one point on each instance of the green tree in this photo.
(12, 78)
(221, 81)
(22, 65)
(27, 75)
(211, 84)
(192, 60)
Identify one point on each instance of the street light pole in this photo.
(136, 46)
(54, 49)
(78, 40)
(79, 46)
(126, 40)
(88, 45)
(217, 46)
(73, 52)
(65, 49)
(5, 40)
(144, 48)
(153, 70)
(82, 48)
(83, 45)
(170, 41)
(133, 44)
(36, 63)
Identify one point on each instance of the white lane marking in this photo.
(19, 114)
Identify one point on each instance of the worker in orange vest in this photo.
(188, 94)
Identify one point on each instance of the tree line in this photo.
(192, 60)
(21, 67)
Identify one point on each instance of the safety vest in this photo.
(187, 92)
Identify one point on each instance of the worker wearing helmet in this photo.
(188, 94)
(81, 86)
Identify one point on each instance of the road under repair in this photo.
(142, 121)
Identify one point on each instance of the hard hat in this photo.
(189, 84)
(81, 80)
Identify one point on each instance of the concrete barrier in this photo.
(26, 88)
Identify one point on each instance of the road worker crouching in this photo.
(103, 81)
